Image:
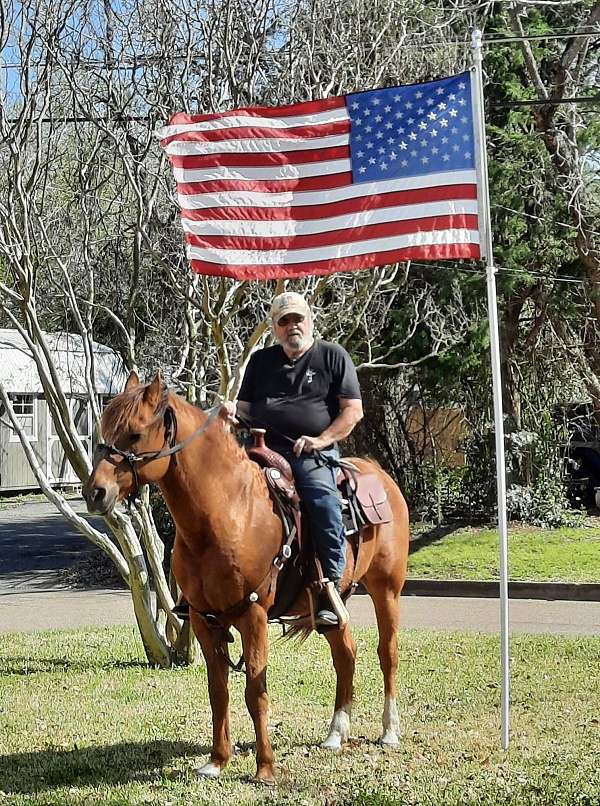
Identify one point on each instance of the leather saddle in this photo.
(364, 502)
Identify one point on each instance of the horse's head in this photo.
(135, 425)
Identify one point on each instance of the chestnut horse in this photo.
(227, 535)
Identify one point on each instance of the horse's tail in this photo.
(298, 633)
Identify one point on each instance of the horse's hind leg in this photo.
(218, 692)
(343, 652)
(387, 610)
(255, 642)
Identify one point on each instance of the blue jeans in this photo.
(316, 486)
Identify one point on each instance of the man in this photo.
(305, 392)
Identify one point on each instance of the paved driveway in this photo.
(37, 544)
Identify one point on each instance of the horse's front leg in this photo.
(255, 642)
(343, 652)
(218, 692)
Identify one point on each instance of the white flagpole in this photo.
(488, 254)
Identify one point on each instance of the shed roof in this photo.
(18, 370)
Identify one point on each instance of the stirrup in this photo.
(326, 586)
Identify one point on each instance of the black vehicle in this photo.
(582, 452)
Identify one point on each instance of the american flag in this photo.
(346, 183)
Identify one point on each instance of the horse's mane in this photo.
(125, 407)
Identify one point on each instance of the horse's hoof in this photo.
(208, 770)
(390, 739)
(333, 742)
(265, 777)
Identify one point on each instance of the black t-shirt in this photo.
(301, 396)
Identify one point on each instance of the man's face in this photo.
(294, 331)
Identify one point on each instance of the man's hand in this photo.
(228, 412)
(306, 444)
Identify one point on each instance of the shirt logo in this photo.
(310, 375)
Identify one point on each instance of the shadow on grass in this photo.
(433, 535)
(26, 773)
(22, 665)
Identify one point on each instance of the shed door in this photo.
(59, 469)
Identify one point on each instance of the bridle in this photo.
(104, 450)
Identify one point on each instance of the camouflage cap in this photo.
(289, 302)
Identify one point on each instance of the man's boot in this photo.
(326, 615)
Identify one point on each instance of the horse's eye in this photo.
(134, 438)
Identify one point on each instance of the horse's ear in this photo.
(132, 381)
(153, 392)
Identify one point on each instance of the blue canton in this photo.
(412, 131)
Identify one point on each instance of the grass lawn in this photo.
(561, 555)
(85, 722)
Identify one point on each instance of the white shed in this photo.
(19, 376)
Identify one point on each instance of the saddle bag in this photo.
(368, 497)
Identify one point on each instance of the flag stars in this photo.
(414, 131)
(462, 86)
